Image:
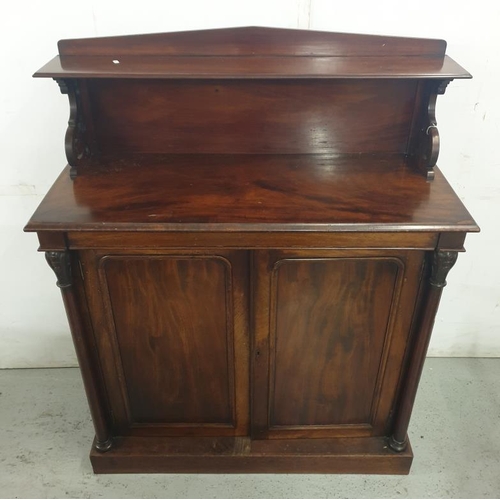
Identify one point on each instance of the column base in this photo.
(396, 445)
(104, 446)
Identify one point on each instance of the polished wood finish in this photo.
(197, 315)
(255, 193)
(74, 303)
(251, 117)
(252, 52)
(253, 40)
(328, 300)
(252, 90)
(249, 67)
(178, 333)
(328, 343)
(251, 238)
(243, 455)
(442, 262)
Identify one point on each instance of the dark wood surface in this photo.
(172, 339)
(252, 91)
(254, 40)
(329, 337)
(251, 117)
(242, 455)
(185, 301)
(133, 240)
(252, 244)
(330, 318)
(440, 265)
(254, 193)
(249, 67)
(69, 280)
(252, 52)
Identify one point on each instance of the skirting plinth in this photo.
(240, 455)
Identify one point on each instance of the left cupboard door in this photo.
(171, 329)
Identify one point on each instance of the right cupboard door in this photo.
(331, 330)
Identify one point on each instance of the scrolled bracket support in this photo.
(429, 141)
(75, 144)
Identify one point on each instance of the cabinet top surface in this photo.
(253, 193)
(252, 52)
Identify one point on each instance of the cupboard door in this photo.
(331, 329)
(171, 331)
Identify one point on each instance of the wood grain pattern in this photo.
(254, 193)
(252, 117)
(184, 318)
(330, 322)
(173, 312)
(302, 328)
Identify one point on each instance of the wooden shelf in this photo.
(251, 53)
(252, 193)
(250, 67)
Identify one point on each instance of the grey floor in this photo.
(45, 434)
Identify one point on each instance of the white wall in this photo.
(33, 328)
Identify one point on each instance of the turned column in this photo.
(442, 262)
(60, 262)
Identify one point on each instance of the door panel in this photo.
(330, 341)
(183, 373)
(335, 312)
(176, 325)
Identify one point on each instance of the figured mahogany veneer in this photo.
(251, 239)
(253, 193)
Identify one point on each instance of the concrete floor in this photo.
(45, 435)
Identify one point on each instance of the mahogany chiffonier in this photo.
(251, 239)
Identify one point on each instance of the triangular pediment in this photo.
(253, 41)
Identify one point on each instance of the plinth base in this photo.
(241, 454)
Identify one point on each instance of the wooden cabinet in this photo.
(251, 238)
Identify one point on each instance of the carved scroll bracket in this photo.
(75, 144)
(61, 265)
(442, 262)
(428, 142)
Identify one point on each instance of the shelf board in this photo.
(252, 193)
(250, 67)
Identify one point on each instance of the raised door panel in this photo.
(335, 312)
(171, 330)
(331, 341)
